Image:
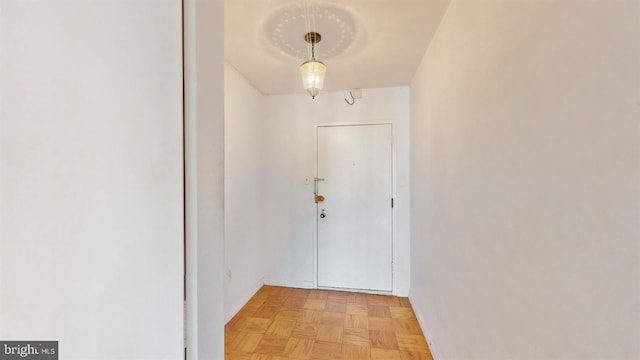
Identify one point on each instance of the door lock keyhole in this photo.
(322, 214)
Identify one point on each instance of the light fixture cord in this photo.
(314, 29)
(307, 22)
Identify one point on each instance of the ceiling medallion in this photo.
(288, 24)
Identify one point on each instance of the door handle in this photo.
(317, 198)
(322, 214)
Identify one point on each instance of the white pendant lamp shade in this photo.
(312, 70)
(313, 76)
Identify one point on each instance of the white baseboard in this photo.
(425, 330)
(290, 283)
(230, 313)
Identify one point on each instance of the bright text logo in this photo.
(32, 350)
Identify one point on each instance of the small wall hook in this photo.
(353, 99)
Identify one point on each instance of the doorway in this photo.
(354, 188)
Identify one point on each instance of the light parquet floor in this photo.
(281, 323)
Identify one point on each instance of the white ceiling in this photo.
(365, 43)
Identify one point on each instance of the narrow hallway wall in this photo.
(290, 213)
(525, 181)
(244, 207)
(91, 193)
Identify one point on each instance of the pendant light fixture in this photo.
(313, 70)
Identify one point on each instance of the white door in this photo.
(355, 219)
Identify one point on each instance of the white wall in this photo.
(289, 213)
(204, 174)
(91, 220)
(525, 181)
(244, 210)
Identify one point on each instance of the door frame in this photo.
(394, 251)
